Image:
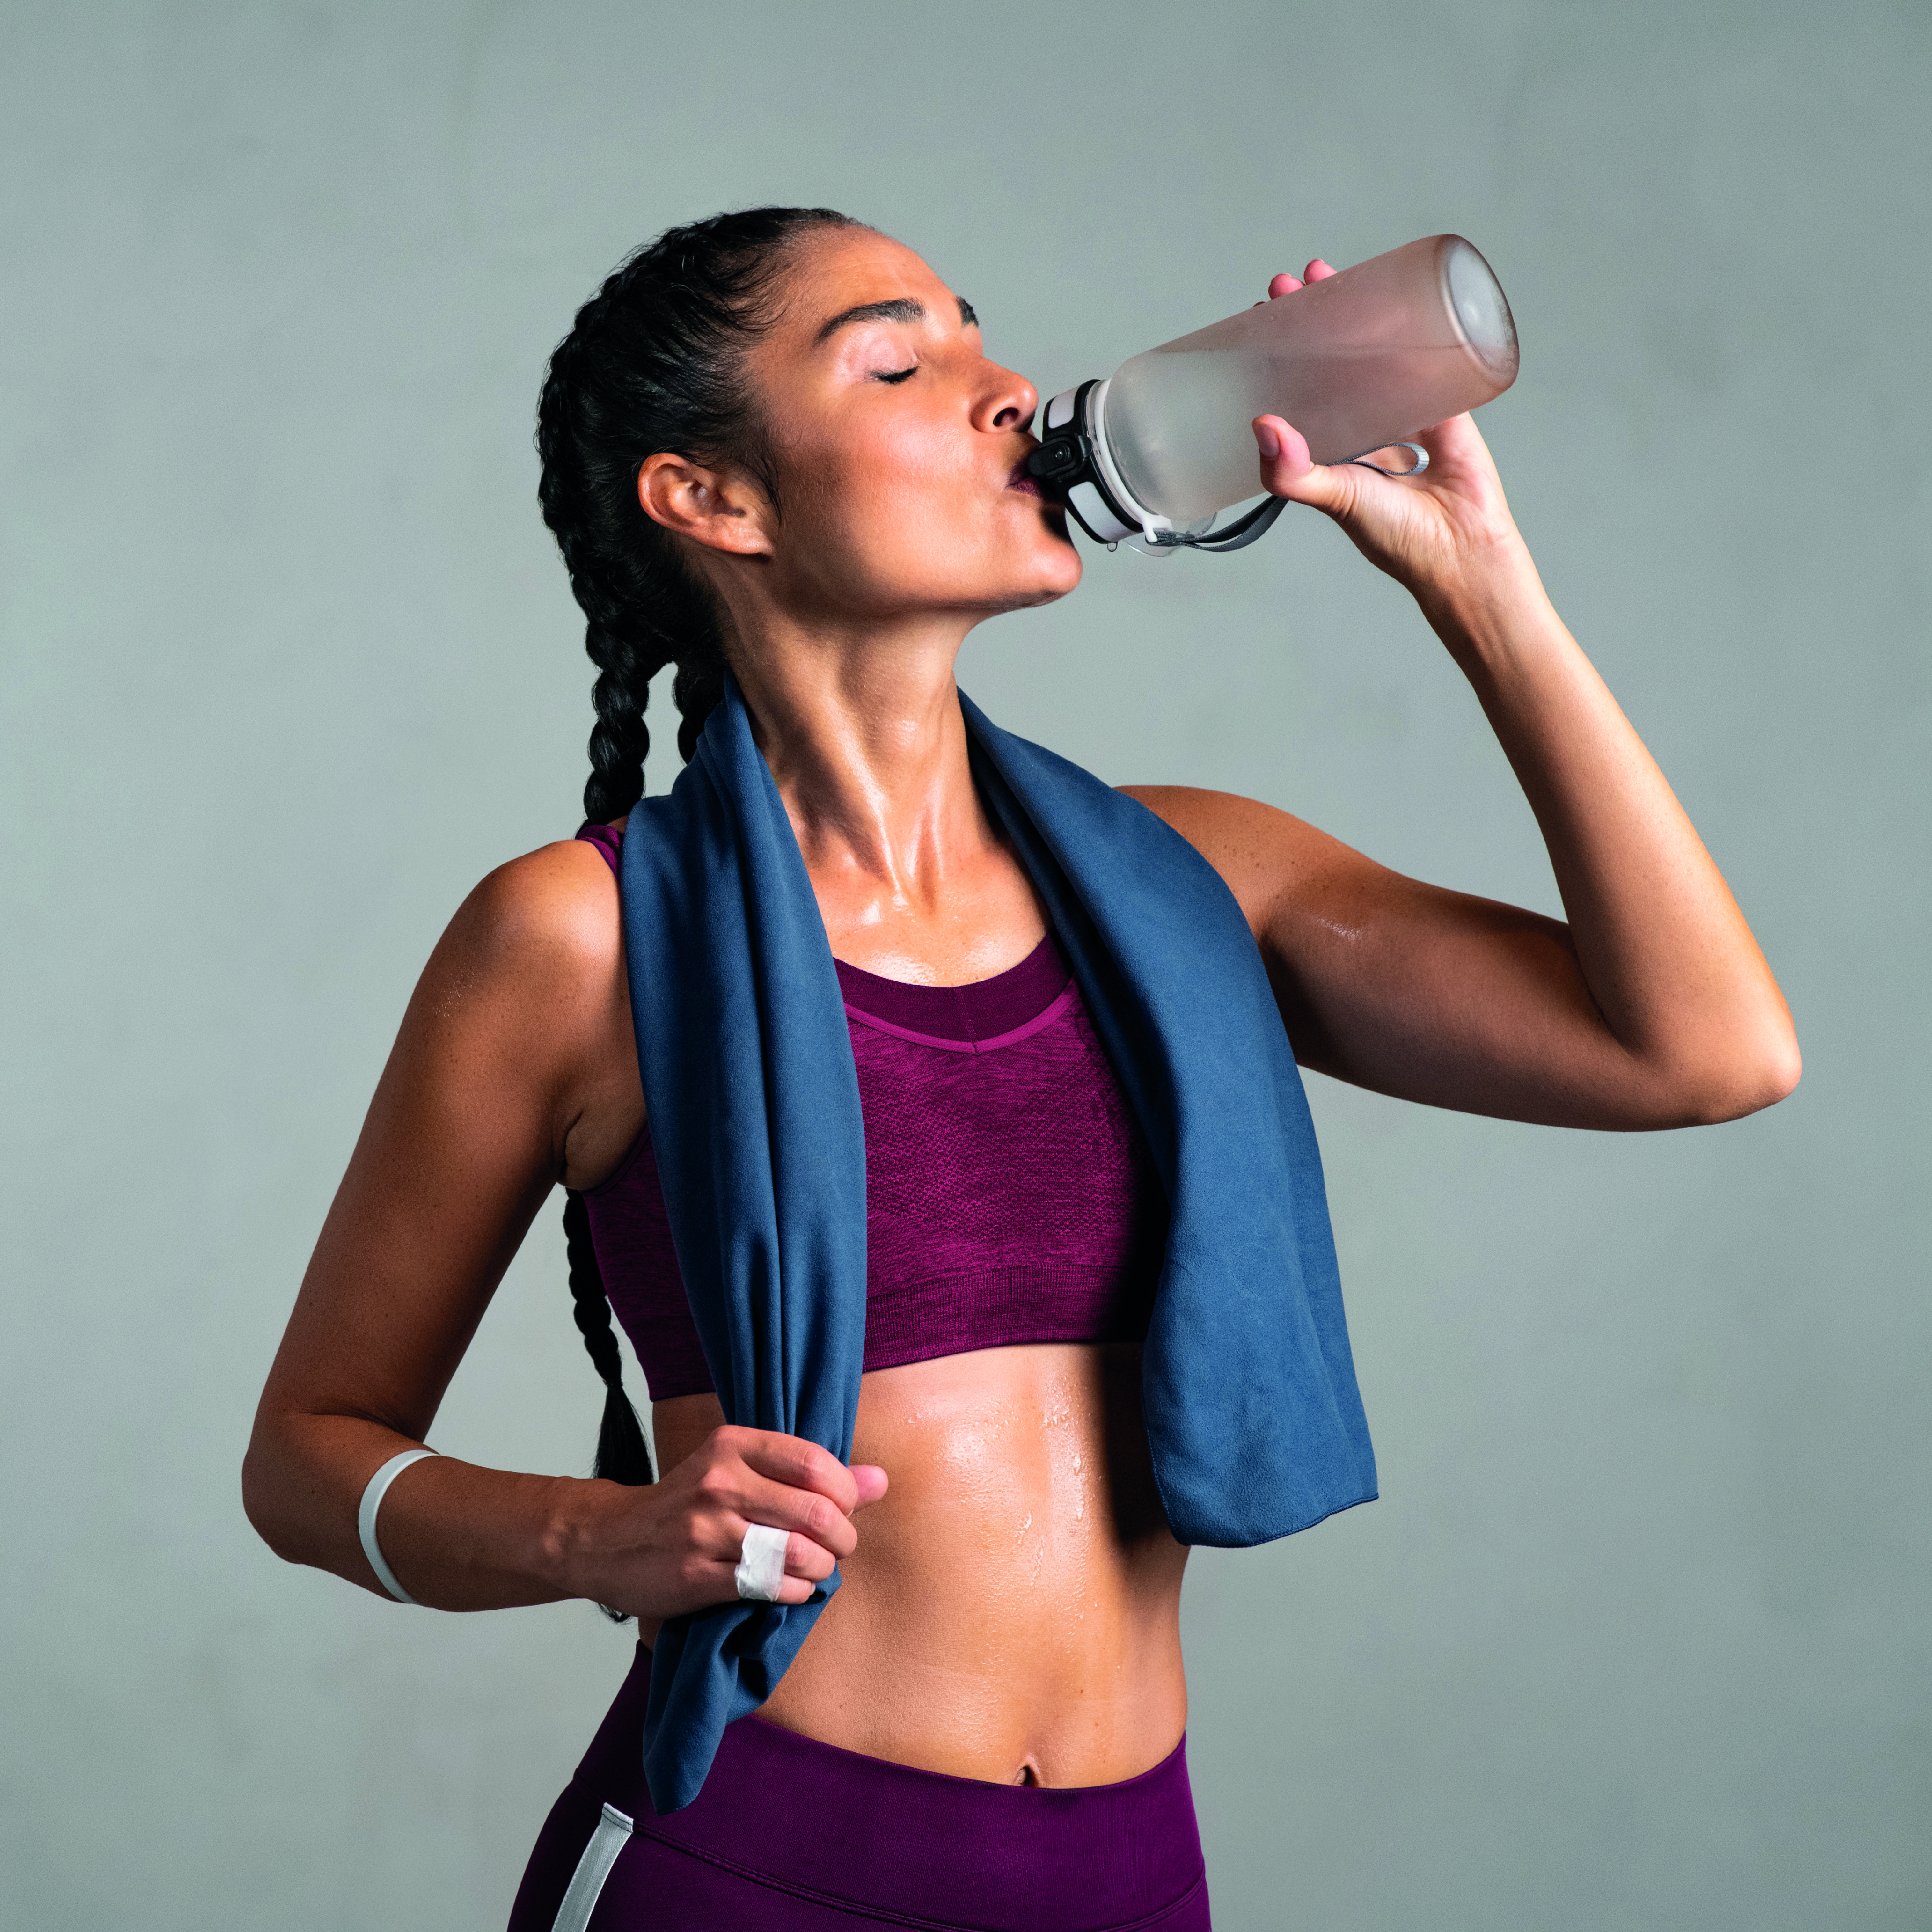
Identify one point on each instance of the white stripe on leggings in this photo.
(612, 1834)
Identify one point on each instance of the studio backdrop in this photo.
(1637, 1636)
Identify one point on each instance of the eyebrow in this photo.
(900, 308)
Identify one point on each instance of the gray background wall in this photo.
(1638, 1636)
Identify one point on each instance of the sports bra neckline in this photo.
(978, 1014)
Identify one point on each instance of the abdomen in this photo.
(1012, 1610)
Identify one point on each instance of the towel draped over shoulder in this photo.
(1254, 1423)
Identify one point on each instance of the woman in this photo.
(775, 453)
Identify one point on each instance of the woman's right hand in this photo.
(674, 1546)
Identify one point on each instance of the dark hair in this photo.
(653, 362)
(621, 1455)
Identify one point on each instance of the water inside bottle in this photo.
(1358, 368)
(1159, 405)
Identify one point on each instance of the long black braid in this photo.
(653, 362)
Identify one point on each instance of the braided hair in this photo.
(654, 362)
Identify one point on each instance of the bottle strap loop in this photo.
(1415, 469)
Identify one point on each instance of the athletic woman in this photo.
(774, 447)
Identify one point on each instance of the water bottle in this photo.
(1357, 362)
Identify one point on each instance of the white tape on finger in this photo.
(761, 1565)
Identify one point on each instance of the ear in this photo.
(712, 507)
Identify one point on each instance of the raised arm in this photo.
(514, 1070)
(1652, 1007)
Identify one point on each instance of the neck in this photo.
(865, 741)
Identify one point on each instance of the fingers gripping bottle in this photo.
(1358, 362)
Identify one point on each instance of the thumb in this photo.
(870, 1480)
(1287, 470)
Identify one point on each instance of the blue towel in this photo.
(1254, 1422)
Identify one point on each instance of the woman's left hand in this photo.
(1653, 1007)
(1431, 531)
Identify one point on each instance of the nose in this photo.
(1007, 401)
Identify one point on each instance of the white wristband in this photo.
(761, 1563)
(365, 1519)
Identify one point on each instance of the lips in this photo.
(1027, 485)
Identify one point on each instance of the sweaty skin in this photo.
(1010, 1606)
(1012, 1610)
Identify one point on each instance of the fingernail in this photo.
(1270, 443)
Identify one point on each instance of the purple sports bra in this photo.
(1009, 1194)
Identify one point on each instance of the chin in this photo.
(1055, 566)
(1048, 586)
(1067, 576)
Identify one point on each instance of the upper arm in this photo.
(502, 1052)
(1410, 988)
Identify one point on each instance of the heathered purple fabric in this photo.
(1010, 1196)
(791, 1835)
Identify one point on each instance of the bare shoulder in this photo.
(522, 1015)
(554, 910)
(532, 961)
(1261, 852)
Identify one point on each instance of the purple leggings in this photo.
(791, 1835)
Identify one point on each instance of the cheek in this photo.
(898, 495)
(907, 471)
(906, 507)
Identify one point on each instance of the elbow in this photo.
(263, 1502)
(1745, 1077)
(1784, 1067)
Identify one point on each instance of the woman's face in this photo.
(899, 448)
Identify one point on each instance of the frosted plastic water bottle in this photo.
(1357, 361)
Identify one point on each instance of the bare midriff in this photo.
(1012, 1612)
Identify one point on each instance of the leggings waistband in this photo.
(910, 1846)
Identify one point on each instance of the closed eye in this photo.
(894, 375)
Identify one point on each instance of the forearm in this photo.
(458, 1537)
(1667, 959)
